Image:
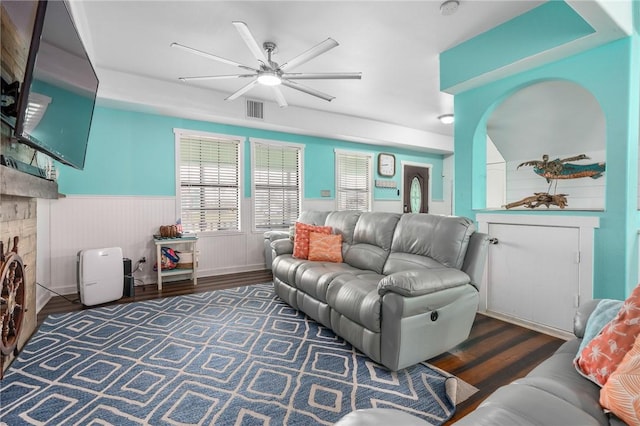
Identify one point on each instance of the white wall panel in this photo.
(83, 222)
(583, 193)
(43, 253)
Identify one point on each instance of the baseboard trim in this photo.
(42, 298)
(151, 278)
(561, 334)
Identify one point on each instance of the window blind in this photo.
(209, 184)
(276, 191)
(353, 181)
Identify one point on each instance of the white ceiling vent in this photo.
(255, 109)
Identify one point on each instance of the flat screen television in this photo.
(57, 96)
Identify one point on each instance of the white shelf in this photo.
(180, 271)
(159, 242)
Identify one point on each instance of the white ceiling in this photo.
(395, 44)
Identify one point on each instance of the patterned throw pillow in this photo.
(604, 352)
(602, 315)
(301, 242)
(621, 393)
(325, 248)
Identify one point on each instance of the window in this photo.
(277, 185)
(209, 181)
(353, 181)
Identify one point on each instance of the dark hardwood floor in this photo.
(495, 354)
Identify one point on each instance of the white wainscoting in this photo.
(74, 223)
(43, 253)
(85, 222)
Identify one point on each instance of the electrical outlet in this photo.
(142, 260)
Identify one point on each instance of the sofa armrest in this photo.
(582, 315)
(276, 235)
(422, 281)
(283, 246)
(476, 257)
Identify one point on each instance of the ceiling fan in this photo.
(270, 73)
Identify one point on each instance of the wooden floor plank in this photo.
(495, 353)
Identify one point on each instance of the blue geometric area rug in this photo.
(227, 357)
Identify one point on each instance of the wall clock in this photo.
(386, 164)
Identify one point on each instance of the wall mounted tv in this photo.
(58, 92)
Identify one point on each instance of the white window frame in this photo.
(369, 156)
(178, 134)
(253, 142)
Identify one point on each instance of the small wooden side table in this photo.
(190, 240)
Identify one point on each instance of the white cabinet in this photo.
(540, 268)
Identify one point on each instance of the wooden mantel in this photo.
(20, 184)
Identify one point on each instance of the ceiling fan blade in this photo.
(282, 102)
(242, 90)
(211, 56)
(322, 75)
(307, 90)
(251, 42)
(215, 77)
(316, 50)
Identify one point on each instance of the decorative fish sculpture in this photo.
(562, 169)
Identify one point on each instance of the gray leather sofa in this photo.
(553, 393)
(405, 291)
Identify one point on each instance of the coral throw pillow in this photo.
(325, 248)
(301, 241)
(604, 352)
(621, 393)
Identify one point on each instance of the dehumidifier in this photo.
(100, 275)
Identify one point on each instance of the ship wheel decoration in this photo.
(12, 298)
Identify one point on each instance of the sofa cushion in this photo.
(380, 417)
(577, 393)
(621, 393)
(343, 223)
(442, 238)
(417, 282)
(325, 248)
(301, 240)
(399, 261)
(372, 241)
(314, 277)
(601, 356)
(520, 404)
(313, 217)
(356, 297)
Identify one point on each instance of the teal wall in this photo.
(610, 73)
(547, 26)
(133, 153)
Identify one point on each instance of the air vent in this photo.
(255, 109)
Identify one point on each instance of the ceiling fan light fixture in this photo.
(446, 118)
(269, 78)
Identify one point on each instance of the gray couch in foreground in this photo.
(405, 291)
(553, 393)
